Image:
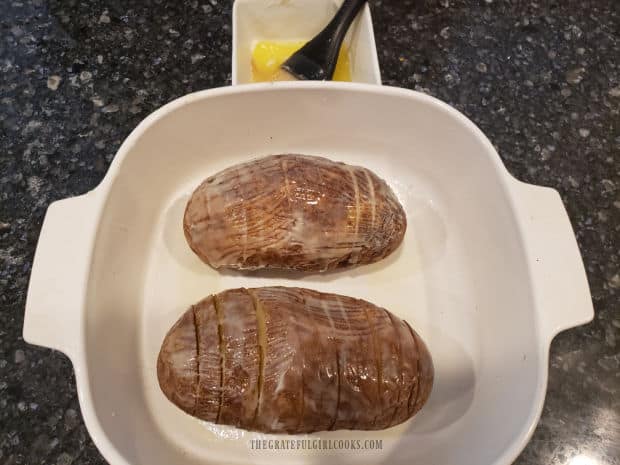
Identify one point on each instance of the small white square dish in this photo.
(292, 20)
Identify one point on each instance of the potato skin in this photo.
(294, 360)
(293, 212)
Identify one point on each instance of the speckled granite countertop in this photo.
(542, 79)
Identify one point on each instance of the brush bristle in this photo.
(303, 67)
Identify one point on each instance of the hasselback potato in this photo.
(293, 360)
(293, 212)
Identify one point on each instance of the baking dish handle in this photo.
(559, 280)
(59, 274)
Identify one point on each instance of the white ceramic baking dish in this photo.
(488, 273)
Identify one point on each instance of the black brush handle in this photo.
(325, 46)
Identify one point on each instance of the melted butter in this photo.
(267, 56)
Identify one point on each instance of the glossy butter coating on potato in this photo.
(294, 212)
(292, 360)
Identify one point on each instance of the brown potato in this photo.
(293, 212)
(292, 360)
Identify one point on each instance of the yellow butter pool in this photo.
(267, 56)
